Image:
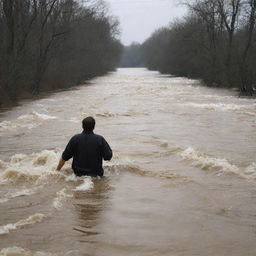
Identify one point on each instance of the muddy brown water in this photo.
(181, 183)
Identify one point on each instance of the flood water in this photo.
(181, 183)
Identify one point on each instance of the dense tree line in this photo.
(216, 42)
(132, 56)
(49, 44)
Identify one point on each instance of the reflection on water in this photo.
(89, 206)
(181, 181)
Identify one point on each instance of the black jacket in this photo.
(88, 150)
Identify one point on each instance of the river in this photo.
(181, 182)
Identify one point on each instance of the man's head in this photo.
(88, 123)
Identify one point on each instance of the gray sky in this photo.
(139, 18)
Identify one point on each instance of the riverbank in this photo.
(7, 103)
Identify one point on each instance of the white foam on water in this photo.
(249, 113)
(207, 162)
(28, 121)
(221, 106)
(17, 158)
(169, 147)
(35, 116)
(250, 171)
(18, 251)
(19, 193)
(74, 120)
(86, 182)
(86, 185)
(38, 168)
(116, 165)
(105, 114)
(3, 200)
(23, 192)
(72, 177)
(15, 251)
(33, 219)
(119, 160)
(3, 165)
(222, 165)
(62, 196)
(123, 164)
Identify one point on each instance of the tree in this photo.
(214, 42)
(132, 56)
(48, 44)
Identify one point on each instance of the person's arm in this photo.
(107, 151)
(67, 154)
(61, 163)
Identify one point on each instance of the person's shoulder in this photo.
(98, 136)
(76, 136)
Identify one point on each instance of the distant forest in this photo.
(50, 44)
(215, 42)
(132, 56)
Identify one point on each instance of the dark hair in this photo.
(88, 123)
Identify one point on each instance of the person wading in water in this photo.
(88, 150)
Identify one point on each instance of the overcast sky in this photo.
(139, 18)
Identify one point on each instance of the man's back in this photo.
(88, 150)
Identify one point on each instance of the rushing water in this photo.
(182, 180)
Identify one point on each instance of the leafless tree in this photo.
(215, 42)
(47, 44)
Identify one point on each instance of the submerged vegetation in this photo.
(215, 42)
(50, 44)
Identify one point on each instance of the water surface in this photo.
(182, 180)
